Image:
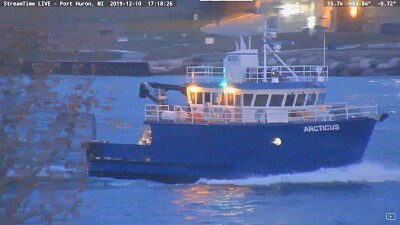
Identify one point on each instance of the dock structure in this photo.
(74, 67)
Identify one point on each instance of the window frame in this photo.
(251, 100)
(304, 99)
(193, 95)
(222, 98)
(232, 99)
(266, 101)
(214, 98)
(270, 101)
(307, 99)
(201, 95)
(317, 102)
(293, 100)
(205, 97)
(238, 96)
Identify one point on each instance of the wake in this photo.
(367, 171)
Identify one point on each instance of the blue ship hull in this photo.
(182, 152)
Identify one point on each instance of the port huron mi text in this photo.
(48, 4)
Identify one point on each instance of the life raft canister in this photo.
(196, 117)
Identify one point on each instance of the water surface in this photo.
(44, 120)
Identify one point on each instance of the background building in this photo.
(363, 19)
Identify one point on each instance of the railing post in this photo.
(264, 114)
(175, 114)
(145, 112)
(225, 116)
(157, 113)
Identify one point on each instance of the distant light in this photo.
(258, 3)
(223, 84)
(311, 22)
(194, 89)
(122, 39)
(209, 40)
(353, 12)
(277, 141)
(290, 9)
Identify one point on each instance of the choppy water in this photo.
(56, 189)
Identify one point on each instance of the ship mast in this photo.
(271, 33)
(324, 48)
(265, 47)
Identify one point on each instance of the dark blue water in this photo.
(357, 194)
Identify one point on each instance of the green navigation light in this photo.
(223, 84)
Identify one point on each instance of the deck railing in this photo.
(256, 74)
(204, 72)
(290, 73)
(331, 112)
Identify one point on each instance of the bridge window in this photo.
(230, 99)
(237, 100)
(290, 100)
(321, 98)
(276, 100)
(311, 99)
(193, 97)
(215, 98)
(199, 97)
(261, 100)
(207, 97)
(222, 97)
(247, 99)
(300, 99)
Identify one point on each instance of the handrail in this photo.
(201, 72)
(256, 74)
(303, 73)
(218, 114)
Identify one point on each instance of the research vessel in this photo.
(244, 119)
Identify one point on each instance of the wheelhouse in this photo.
(198, 96)
(243, 92)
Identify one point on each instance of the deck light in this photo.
(231, 90)
(194, 89)
(311, 22)
(277, 141)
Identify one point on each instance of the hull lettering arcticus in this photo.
(242, 120)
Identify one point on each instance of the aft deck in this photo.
(329, 112)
